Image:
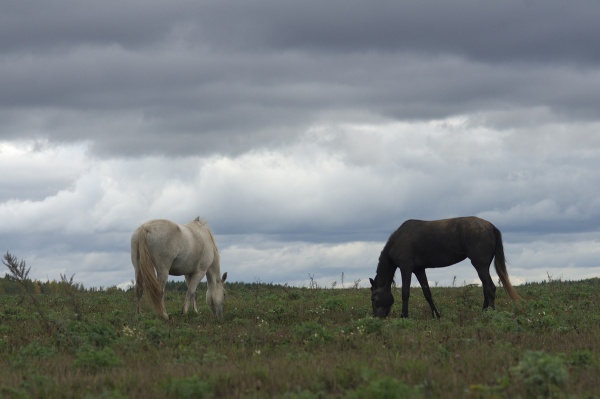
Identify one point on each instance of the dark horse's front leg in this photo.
(406, 277)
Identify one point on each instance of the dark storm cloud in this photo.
(489, 31)
(46, 27)
(227, 76)
(505, 31)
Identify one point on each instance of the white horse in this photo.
(160, 248)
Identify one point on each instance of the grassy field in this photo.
(275, 341)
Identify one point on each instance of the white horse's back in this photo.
(185, 247)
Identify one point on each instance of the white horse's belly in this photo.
(181, 268)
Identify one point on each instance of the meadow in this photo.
(59, 340)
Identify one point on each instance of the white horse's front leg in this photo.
(186, 303)
(192, 282)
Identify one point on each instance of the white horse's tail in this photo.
(148, 273)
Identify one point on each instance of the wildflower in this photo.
(128, 331)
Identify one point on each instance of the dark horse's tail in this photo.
(500, 264)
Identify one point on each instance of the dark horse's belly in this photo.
(436, 259)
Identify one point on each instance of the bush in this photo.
(333, 304)
(312, 331)
(36, 350)
(542, 373)
(116, 394)
(402, 323)
(386, 388)
(189, 387)
(369, 325)
(97, 359)
(582, 358)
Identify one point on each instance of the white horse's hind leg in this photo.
(188, 298)
(162, 283)
(139, 290)
(135, 261)
(192, 282)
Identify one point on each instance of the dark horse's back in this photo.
(441, 243)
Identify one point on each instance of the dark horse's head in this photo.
(381, 299)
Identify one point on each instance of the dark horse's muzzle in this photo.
(382, 313)
(382, 302)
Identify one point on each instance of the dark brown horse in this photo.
(418, 245)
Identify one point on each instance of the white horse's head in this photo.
(215, 296)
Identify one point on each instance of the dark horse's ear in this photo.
(224, 277)
(372, 282)
(197, 219)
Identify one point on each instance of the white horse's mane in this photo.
(202, 221)
(204, 224)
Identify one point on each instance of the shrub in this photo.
(157, 334)
(101, 335)
(37, 350)
(312, 331)
(402, 323)
(301, 395)
(97, 359)
(116, 394)
(542, 373)
(386, 388)
(369, 325)
(34, 386)
(333, 304)
(212, 357)
(294, 296)
(278, 312)
(500, 321)
(582, 358)
(189, 387)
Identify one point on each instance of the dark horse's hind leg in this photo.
(489, 289)
(422, 277)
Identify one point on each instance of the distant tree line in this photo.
(10, 285)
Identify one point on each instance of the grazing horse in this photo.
(418, 245)
(160, 248)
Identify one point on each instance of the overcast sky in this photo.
(304, 132)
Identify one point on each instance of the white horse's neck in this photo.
(213, 274)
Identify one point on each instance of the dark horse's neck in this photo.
(385, 272)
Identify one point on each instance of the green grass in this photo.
(277, 341)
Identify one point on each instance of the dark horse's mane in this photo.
(385, 269)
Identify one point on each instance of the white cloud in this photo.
(295, 263)
(319, 205)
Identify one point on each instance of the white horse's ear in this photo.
(197, 219)
(224, 277)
